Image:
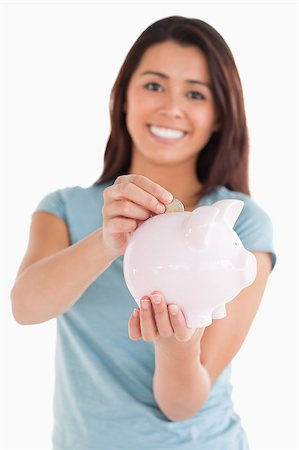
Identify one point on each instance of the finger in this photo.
(137, 195)
(161, 315)
(120, 225)
(147, 322)
(178, 322)
(133, 193)
(134, 326)
(141, 191)
(146, 185)
(125, 208)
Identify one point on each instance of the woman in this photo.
(178, 129)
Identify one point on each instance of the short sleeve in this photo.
(52, 202)
(254, 228)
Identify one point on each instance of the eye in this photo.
(195, 95)
(154, 87)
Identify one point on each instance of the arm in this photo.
(181, 383)
(223, 339)
(185, 370)
(54, 274)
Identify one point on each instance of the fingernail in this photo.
(160, 208)
(173, 309)
(145, 303)
(156, 298)
(167, 197)
(135, 312)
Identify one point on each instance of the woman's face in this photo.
(170, 108)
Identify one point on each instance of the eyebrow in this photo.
(163, 75)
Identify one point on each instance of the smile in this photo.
(166, 133)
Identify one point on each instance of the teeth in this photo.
(166, 132)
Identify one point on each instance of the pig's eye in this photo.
(236, 243)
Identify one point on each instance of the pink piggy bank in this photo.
(195, 259)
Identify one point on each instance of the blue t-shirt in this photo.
(103, 387)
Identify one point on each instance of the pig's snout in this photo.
(250, 268)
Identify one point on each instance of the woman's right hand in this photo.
(131, 199)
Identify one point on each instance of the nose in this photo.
(171, 106)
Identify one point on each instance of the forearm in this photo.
(49, 287)
(181, 383)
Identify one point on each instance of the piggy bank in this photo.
(195, 259)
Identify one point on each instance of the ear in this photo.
(217, 127)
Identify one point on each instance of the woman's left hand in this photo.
(158, 321)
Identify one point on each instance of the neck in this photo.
(180, 180)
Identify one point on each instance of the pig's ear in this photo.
(229, 210)
(198, 226)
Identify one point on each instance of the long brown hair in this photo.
(224, 159)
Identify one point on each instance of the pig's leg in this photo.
(219, 312)
(198, 321)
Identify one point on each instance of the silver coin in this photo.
(175, 206)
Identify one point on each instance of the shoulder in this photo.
(69, 199)
(77, 193)
(80, 192)
(252, 212)
(254, 225)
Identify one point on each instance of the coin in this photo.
(175, 206)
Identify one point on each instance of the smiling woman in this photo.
(142, 379)
(170, 115)
(187, 56)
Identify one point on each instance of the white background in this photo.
(60, 61)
